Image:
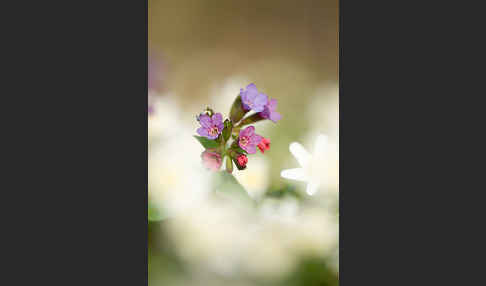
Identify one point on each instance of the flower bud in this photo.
(241, 160)
(227, 130)
(251, 119)
(211, 160)
(237, 112)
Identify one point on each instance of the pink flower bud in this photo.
(211, 160)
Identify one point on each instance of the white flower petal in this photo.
(294, 174)
(312, 188)
(300, 154)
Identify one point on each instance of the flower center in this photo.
(213, 131)
(244, 140)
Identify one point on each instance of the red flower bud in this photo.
(242, 160)
(264, 145)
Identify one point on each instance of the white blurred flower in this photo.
(213, 235)
(164, 118)
(312, 165)
(255, 178)
(177, 180)
(283, 210)
(232, 239)
(316, 233)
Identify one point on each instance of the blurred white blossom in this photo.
(312, 165)
(177, 180)
(164, 120)
(234, 239)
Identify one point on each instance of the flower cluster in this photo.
(216, 134)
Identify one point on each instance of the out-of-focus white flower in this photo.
(312, 165)
(177, 180)
(232, 239)
(164, 119)
(267, 254)
(316, 233)
(213, 235)
(255, 178)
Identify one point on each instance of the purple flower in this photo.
(269, 111)
(252, 99)
(248, 139)
(211, 126)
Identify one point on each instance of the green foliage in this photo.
(154, 213)
(225, 184)
(207, 143)
(287, 190)
(313, 272)
(227, 129)
(237, 112)
(239, 150)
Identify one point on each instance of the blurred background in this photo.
(200, 54)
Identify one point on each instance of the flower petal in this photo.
(205, 121)
(255, 139)
(203, 132)
(261, 99)
(251, 149)
(312, 188)
(217, 119)
(248, 131)
(297, 174)
(259, 102)
(300, 154)
(272, 104)
(251, 87)
(275, 116)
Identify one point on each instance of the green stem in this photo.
(250, 119)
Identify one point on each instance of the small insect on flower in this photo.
(264, 145)
(211, 126)
(269, 111)
(242, 160)
(248, 139)
(252, 99)
(211, 160)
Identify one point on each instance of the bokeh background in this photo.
(200, 54)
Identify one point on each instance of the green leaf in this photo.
(226, 185)
(240, 150)
(237, 112)
(227, 129)
(207, 143)
(154, 213)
